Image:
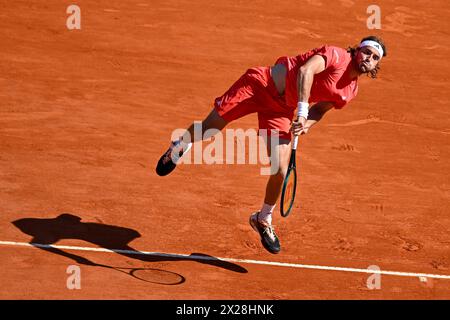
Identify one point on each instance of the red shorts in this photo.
(255, 91)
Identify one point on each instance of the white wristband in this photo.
(302, 109)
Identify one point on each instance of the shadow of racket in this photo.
(151, 275)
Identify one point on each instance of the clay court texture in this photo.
(86, 114)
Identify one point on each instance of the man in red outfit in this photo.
(323, 78)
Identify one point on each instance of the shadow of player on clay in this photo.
(115, 238)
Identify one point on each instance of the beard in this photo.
(364, 68)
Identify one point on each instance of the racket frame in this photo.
(292, 169)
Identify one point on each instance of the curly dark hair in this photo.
(354, 49)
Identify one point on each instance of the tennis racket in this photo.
(289, 183)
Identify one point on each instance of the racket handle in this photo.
(294, 145)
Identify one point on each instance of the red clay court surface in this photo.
(85, 115)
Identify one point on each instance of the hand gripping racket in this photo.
(289, 183)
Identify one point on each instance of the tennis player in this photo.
(313, 83)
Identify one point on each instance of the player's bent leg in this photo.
(170, 158)
(261, 221)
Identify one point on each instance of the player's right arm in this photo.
(316, 113)
(305, 77)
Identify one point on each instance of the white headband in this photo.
(374, 45)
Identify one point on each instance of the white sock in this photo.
(266, 212)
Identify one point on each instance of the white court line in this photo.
(197, 257)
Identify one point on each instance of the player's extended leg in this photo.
(212, 121)
(261, 221)
(239, 100)
(169, 159)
